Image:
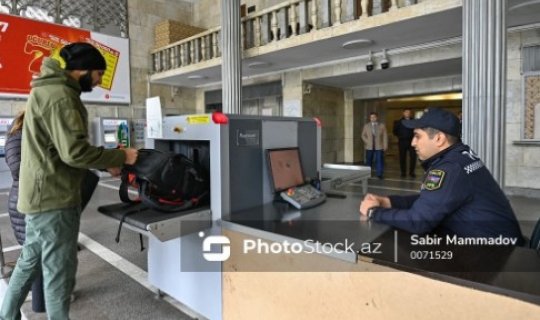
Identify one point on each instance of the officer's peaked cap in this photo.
(82, 56)
(439, 119)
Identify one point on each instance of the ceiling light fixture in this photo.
(259, 65)
(357, 44)
(433, 97)
(196, 77)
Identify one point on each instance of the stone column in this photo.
(293, 93)
(231, 61)
(484, 81)
(348, 119)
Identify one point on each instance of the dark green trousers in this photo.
(51, 241)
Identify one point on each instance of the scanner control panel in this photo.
(303, 197)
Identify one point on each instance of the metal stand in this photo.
(336, 175)
(5, 272)
(159, 294)
(2, 260)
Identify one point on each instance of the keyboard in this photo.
(303, 197)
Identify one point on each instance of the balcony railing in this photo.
(286, 20)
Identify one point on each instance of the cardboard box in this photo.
(169, 31)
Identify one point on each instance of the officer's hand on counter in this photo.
(372, 200)
(383, 201)
(131, 155)
(115, 172)
(368, 203)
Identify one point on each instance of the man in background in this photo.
(375, 140)
(405, 136)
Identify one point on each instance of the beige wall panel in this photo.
(328, 104)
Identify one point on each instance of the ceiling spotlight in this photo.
(369, 64)
(385, 63)
(357, 44)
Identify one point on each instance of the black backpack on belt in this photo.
(166, 182)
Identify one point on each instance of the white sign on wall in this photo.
(292, 108)
(154, 118)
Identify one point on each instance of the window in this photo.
(531, 59)
(261, 99)
(531, 94)
(531, 99)
(104, 16)
(265, 106)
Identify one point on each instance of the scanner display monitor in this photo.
(285, 168)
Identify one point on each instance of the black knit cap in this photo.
(82, 56)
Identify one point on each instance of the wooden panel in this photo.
(354, 291)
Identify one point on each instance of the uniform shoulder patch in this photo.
(434, 179)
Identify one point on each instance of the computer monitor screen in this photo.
(285, 168)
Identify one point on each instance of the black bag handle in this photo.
(124, 187)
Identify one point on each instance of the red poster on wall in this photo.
(24, 43)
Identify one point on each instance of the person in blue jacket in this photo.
(13, 160)
(459, 196)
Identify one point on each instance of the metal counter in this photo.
(335, 221)
(511, 271)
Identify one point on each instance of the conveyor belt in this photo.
(164, 226)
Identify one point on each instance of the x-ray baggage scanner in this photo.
(233, 149)
(5, 174)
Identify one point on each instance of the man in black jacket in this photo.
(405, 136)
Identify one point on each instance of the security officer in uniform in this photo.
(458, 196)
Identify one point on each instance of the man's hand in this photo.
(131, 155)
(366, 204)
(372, 200)
(115, 172)
(383, 201)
